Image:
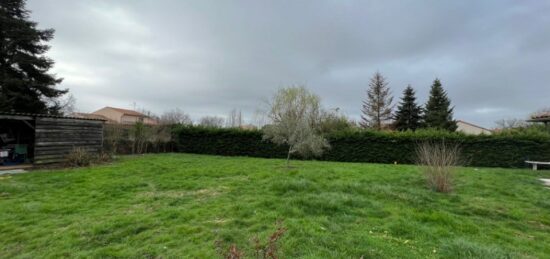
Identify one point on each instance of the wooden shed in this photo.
(42, 139)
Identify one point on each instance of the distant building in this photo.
(543, 117)
(118, 116)
(469, 128)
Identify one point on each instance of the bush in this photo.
(372, 147)
(438, 160)
(79, 157)
(137, 139)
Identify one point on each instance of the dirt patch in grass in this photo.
(200, 193)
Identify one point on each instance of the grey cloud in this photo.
(208, 57)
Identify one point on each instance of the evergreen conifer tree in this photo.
(409, 114)
(439, 113)
(25, 84)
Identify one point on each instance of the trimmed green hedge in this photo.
(372, 147)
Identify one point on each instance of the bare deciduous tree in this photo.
(175, 116)
(68, 104)
(513, 123)
(112, 135)
(211, 121)
(235, 119)
(294, 113)
(377, 108)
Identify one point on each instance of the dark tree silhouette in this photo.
(439, 113)
(409, 114)
(25, 84)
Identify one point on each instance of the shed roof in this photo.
(540, 117)
(6, 115)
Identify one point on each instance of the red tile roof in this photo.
(128, 112)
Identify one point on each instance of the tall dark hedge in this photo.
(372, 147)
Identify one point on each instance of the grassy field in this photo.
(178, 205)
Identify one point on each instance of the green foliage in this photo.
(373, 146)
(25, 84)
(294, 117)
(178, 205)
(409, 114)
(439, 113)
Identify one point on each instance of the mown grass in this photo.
(178, 205)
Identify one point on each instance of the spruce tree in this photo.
(25, 84)
(409, 114)
(377, 108)
(439, 113)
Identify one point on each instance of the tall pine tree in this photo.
(25, 84)
(409, 114)
(439, 113)
(377, 108)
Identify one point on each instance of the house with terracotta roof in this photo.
(123, 116)
(470, 128)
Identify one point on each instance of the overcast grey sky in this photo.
(207, 57)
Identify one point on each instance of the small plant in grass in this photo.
(79, 157)
(104, 157)
(438, 161)
(262, 250)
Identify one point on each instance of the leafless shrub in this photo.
(438, 161)
(270, 248)
(262, 250)
(79, 157)
(104, 157)
(113, 134)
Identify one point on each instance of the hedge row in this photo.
(371, 147)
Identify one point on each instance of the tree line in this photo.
(378, 109)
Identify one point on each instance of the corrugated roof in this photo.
(48, 116)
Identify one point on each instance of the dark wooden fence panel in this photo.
(55, 138)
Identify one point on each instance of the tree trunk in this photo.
(288, 157)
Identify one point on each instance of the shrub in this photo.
(104, 157)
(79, 157)
(262, 250)
(372, 147)
(137, 139)
(437, 160)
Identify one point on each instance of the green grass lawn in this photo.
(178, 205)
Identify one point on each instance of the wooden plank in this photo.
(74, 132)
(64, 151)
(49, 161)
(43, 128)
(67, 138)
(69, 123)
(68, 143)
(54, 148)
(16, 117)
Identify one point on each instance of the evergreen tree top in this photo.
(25, 84)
